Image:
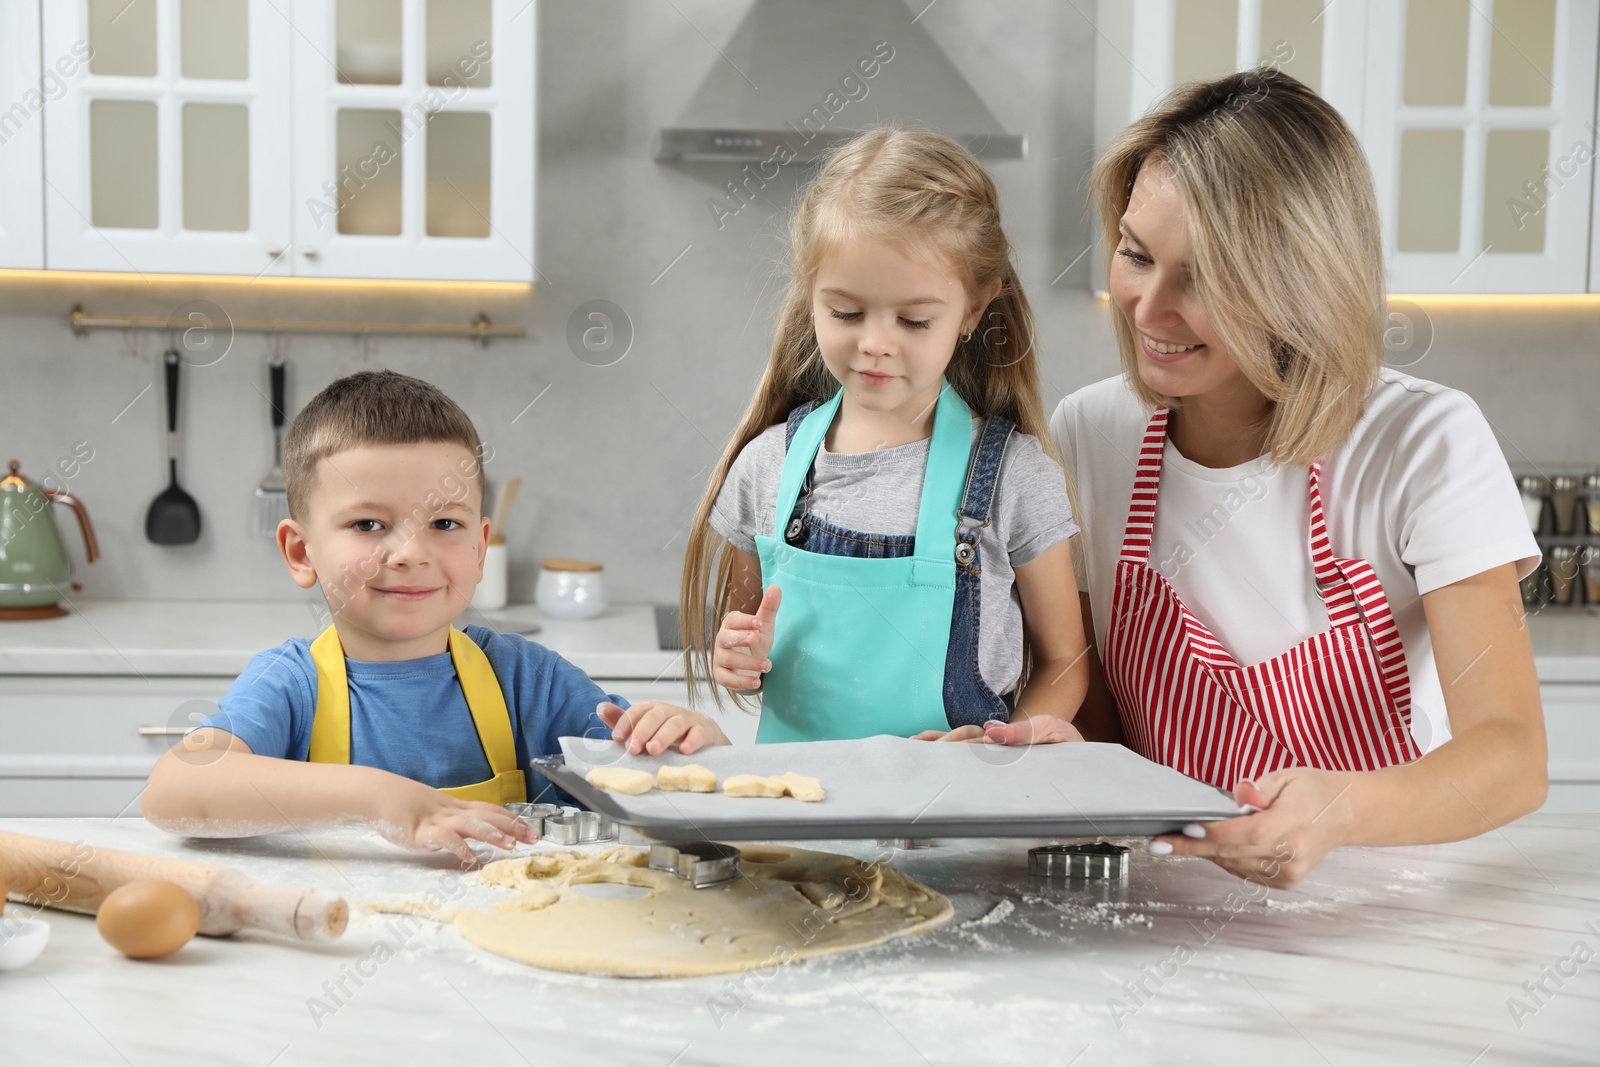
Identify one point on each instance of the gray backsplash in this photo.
(614, 458)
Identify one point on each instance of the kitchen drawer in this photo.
(1572, 727)
(62, 719)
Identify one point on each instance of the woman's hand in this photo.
(1032, 730)
(744, 642)
(651, 727)
(420, 817)
(1304, 814)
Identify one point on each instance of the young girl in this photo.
(893, 538)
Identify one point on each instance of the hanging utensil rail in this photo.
(479, 330)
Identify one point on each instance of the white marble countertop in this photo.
(217, 638)
(1409, 955)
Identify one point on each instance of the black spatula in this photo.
(174, 517)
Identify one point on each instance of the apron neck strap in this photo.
(1140, 530)
(942, 484)
(1332, 584)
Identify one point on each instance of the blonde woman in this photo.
(1302, 570)
(885, 521)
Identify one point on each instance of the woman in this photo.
(1260, 490)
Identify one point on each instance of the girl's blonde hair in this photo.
(1288, 262)
(919, 191)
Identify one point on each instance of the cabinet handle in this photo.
(309, 251)
(274, 251)
(164, 731)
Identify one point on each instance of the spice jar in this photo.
(1533, 489)
(1563, 564)
(1564, 502)
(1591, 573)
(1591, 503)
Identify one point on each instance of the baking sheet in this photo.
(880, 787)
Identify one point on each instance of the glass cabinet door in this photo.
(22, 98)
(1480, 135)
(1145, 48)
(166, 153)
(414, 133)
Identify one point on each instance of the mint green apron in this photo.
(860, 643)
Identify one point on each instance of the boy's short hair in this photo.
(372, 408)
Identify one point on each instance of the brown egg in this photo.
(148, 919)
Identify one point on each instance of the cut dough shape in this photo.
(802, 788)
(790, 904)
(692, 778)
(621, 780)
(752, 785)
(787, 784)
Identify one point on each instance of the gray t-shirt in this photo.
(878, 492)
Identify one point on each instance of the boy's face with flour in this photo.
(395, 535)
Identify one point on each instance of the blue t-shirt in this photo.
(411, 717)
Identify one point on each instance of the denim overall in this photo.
(966, 697)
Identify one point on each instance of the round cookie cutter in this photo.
(1096, 860)
(701, 863)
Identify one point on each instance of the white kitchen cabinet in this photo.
(168, 153)
(1478, 127)
(1145, 48)
(22, 100)
(314, 138)
(414, 139)
(1477, 118)
(84, 745)
(1572, 729)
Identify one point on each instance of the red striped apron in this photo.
(1340, 700)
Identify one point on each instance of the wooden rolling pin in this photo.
(77, 877)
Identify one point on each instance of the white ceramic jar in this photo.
(571, 589)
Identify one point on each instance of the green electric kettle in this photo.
(34, 567)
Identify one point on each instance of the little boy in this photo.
(392, 716)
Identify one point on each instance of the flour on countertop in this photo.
(995, 914)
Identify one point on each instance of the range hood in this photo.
(801, 75)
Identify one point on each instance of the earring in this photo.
(967, 337)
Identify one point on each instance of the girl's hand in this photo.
(1304, 814)
(652, 727)
(420, 817)
(1032, 730)
(744, 642)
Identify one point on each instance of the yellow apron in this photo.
(330, 724)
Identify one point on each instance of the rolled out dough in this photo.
(790, 904)
(787, 784)
(621, 780)
(692, 778)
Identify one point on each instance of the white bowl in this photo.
(21, 941)
(571, 594)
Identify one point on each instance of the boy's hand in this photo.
(744, 642)
(652, 727)
(420, 817)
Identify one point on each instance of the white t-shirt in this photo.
(1420, 490)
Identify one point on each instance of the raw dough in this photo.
(689, 779)
(791, 903)
(787, 784)
(802, 788)
(621, 780)
(753, 785)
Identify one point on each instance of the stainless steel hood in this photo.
(801, 75)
